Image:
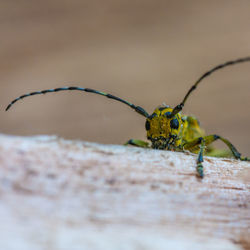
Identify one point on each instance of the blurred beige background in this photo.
(147, 52)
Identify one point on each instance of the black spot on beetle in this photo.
(152, 116)
(162, 108)
(168, 114)
(216, 137)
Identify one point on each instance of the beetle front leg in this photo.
(137, 143)
(199, 166)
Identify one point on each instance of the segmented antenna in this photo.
(179, 107)
(138, 109)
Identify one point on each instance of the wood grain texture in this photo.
(58, 194)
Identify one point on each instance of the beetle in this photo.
(166, 127)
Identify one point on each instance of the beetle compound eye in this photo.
(174, 124)
(147, 125)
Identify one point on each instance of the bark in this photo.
(61, 194)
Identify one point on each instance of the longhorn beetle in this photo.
(166, 127)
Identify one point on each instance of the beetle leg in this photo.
(206, 140)
(137, 143)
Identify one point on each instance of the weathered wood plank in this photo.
(58, 194)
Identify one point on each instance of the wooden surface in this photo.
(58, 194)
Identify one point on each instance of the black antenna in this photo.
(179, 107)
(138, 109)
